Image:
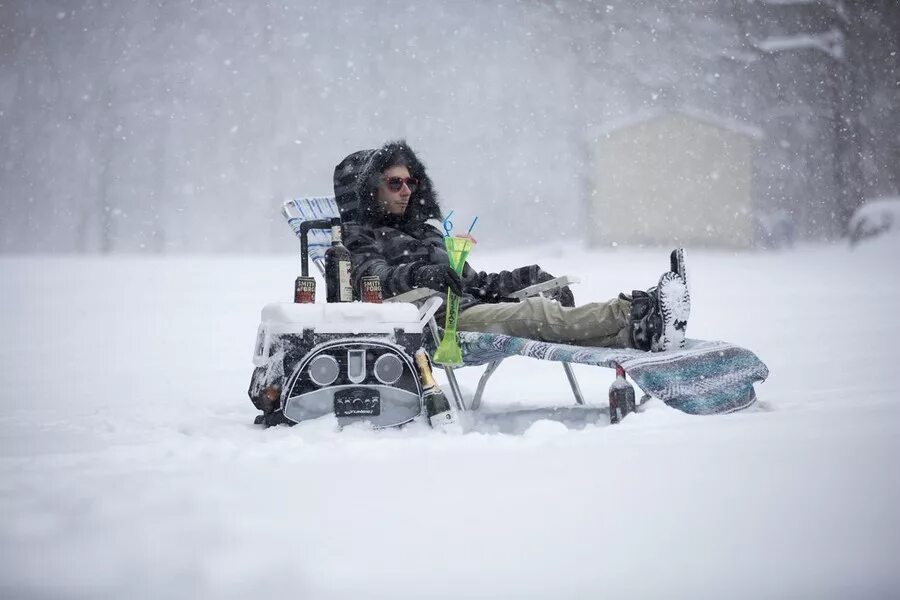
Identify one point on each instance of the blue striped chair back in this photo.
(309, 208)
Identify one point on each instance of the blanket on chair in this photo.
(703, 378)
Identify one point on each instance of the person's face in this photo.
(394, 190)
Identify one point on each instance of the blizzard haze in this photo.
(145, 148)
(163, 127)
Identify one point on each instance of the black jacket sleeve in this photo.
(493, 287)
(367, 256)
(396, 258)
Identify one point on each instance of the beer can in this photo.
(370, 289)
(305, 290)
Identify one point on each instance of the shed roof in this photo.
(643, 116)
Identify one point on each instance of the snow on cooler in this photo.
(130, 468)
(351, 317)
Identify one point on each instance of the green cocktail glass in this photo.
(448, 351)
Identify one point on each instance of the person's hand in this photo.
(483, 295)
(440, 278)
(563, 295)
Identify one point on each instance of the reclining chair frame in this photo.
(322, 208)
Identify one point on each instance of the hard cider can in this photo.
(370, 289)
(305, 290)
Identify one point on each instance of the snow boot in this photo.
(659, 316)
(676, 262)
(675, 309)
(646, 320)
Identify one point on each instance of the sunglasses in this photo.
(395, 184)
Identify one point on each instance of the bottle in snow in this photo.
(621, 397)
(437, 407)
(337, 268)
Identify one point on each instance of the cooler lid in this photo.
(355, 317)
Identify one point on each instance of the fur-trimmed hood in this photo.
(364, 168)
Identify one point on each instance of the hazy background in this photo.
(169, 127)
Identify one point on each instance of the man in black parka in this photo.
(386, 198)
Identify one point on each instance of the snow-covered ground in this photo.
(129, 468)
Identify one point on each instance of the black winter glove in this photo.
(482, 294)
(440, 278)
(563, 295)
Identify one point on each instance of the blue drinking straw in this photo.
(472, 226)
(448, 224)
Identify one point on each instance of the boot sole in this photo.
(676, 260)
(675, 308)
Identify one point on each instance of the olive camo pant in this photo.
(603, 324)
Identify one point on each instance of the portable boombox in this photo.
(353, 359)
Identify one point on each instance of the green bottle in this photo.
(437, 407)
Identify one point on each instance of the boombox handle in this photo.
(305, 226)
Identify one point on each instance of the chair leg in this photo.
(492, 366)
(454, 389)
(576, 389)
(435, 332)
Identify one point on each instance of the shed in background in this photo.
(674, 177)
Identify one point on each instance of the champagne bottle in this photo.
(338, 287)
(437, 407)
(621, 396)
